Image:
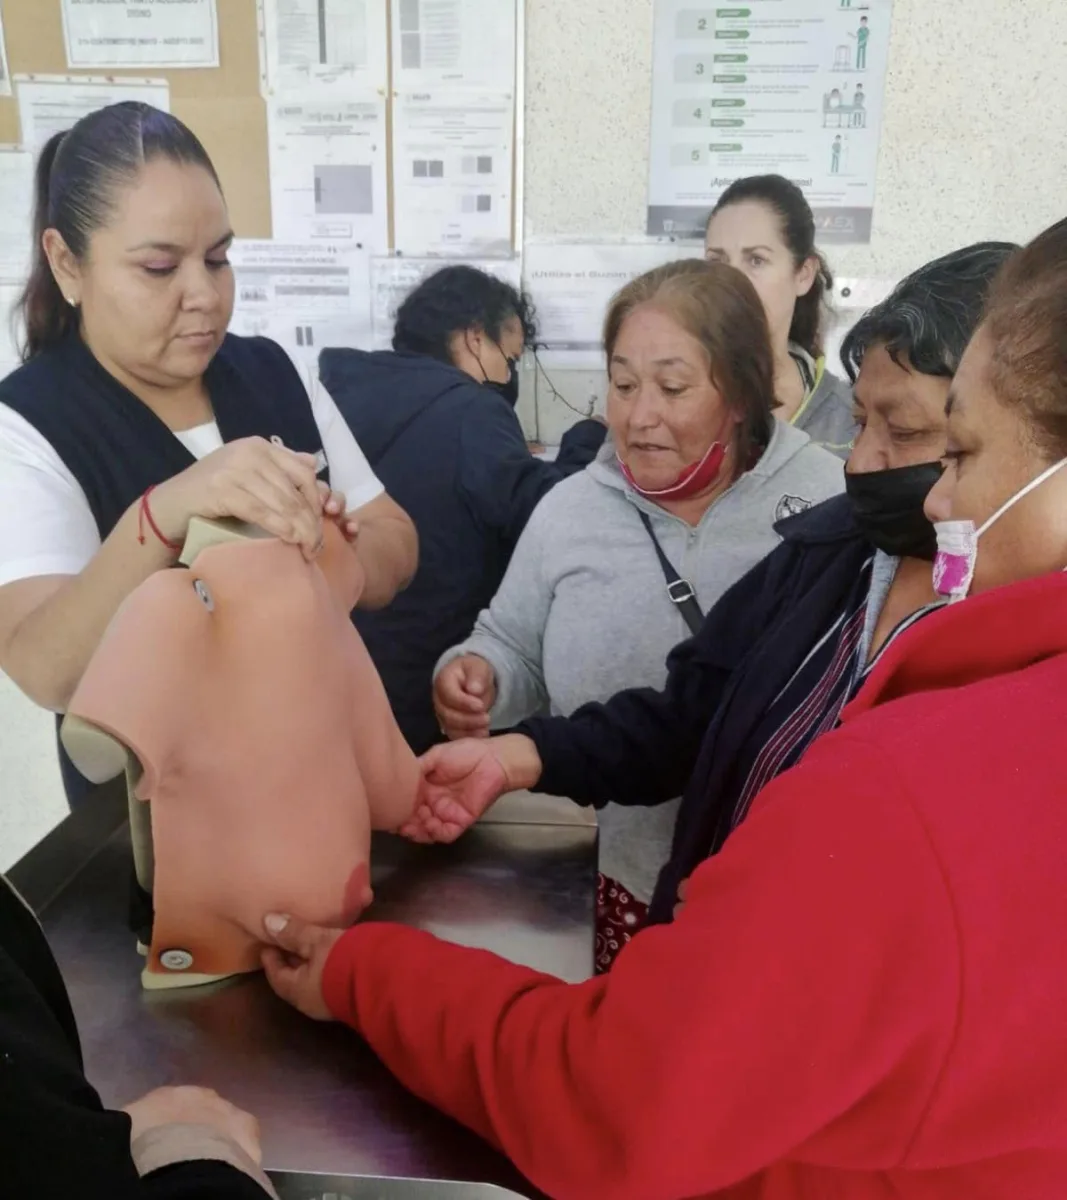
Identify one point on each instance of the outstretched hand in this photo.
(459, 782)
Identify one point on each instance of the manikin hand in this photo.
(294, 962)
(459, 782)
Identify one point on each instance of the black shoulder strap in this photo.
(679, 590)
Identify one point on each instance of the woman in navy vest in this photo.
(135, 411)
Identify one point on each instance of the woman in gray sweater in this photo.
(689, 485)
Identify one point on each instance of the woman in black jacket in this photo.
(56, 1137)
(436, 419)
(780, 654)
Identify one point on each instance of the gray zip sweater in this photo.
(826, 415)
(583, 610)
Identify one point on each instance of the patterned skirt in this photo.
(618, 917)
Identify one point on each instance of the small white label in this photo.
(176, 960)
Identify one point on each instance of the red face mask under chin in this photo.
(693, 480)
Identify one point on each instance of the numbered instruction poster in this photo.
(794, 87)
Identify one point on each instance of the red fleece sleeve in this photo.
(800, 1008)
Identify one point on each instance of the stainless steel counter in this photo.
(522, 884)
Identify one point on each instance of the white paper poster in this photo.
(141, 33)
(796, 89)
(471, 42)
(452, 172)
(325, 46)
(571, 285)
(393, 278)
(303, 297)
(5, 74)
(9, 330)
(328, 171)
(16, 214)
(53, 103)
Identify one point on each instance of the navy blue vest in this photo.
(116, 447)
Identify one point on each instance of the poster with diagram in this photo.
(792, 87)
(328, 170)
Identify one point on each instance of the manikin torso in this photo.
(267, 747)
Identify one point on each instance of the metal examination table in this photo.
(335, 1124)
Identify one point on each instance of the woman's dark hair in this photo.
(930, 316)
(456, 299)
(719, 307)
(1026, 324)
(79, 174)
(798, 233)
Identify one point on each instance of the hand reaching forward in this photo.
(462, 779)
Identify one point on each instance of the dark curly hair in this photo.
(455, 299)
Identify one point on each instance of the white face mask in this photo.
(957, 543)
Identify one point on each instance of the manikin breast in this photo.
(254, 729)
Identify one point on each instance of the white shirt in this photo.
(47, 526)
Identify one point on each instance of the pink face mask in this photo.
(957, 544)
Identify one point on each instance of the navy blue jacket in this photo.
(645, 747)
(452, 454)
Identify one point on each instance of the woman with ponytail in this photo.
(763, 226)
(135, 411)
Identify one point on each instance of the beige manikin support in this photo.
(101, 757)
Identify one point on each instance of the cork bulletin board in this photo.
(222, 106)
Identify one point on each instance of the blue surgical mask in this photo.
(957, 543)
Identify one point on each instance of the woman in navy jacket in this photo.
(436, 418)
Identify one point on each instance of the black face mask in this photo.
(888, 506)
(509, 390)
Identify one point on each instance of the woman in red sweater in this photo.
(864, 995)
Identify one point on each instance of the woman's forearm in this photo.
(48, 649)
(388, 548)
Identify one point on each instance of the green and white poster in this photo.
(794, 87)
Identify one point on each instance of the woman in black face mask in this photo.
(436, 419)
(781, 653)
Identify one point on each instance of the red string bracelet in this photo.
(144, 513)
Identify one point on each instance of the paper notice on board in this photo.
(10, 330)
(796, 89)
(53, 103)
(5, 74)
(325, 46)
(141, 33)
(452, 172)
(328, 171)
(304, 297)
(471, 42)
(393, 278)
(571, 285)
(16, 214)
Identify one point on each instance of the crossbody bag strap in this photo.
(679, 590)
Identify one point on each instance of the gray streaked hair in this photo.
(932, 314)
